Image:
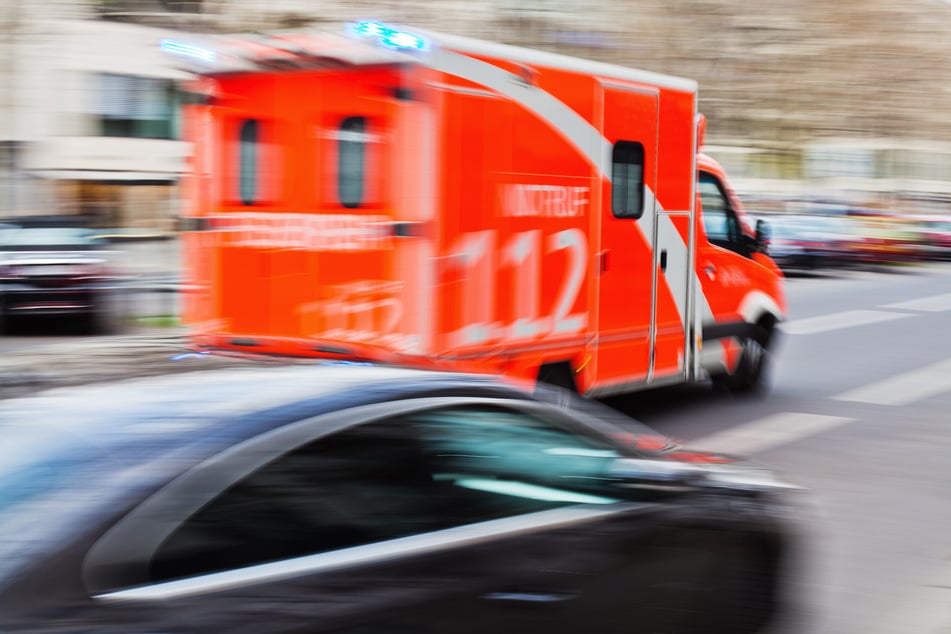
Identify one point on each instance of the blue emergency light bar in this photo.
(184, 49)
(388, 36)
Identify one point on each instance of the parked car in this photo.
(51, 269)
(354, 498)
(934, 235)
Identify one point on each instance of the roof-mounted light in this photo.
(184, 49)
(388, 36)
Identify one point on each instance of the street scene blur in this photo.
(405, 316)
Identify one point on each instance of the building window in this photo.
(139, 107)
(249, 150)
(351, 157)
(627, 179)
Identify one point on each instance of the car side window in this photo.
(719, 220)
(392, 478)
(503, 463)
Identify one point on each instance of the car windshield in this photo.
(30, 237)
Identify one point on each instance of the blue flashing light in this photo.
(175, 47)
(389, 36)
(402, 39)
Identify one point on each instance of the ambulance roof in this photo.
(215, 55)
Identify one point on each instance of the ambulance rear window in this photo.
(248, 162)
(627, 179)
(351, 167)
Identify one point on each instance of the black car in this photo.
(49, 269)
(327, 497)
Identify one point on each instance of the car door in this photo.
(725, 267)
(430, 515)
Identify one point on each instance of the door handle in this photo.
(710, 270)
(663, 260)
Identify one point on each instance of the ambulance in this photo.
(384, 194)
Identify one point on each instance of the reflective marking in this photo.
(904, 388)
(544, 58)
(562, 119)
(756, 303)
(371, 553)
(677, 274)
(838, 321)
(768, 433)
(575, 128)
(935, 303)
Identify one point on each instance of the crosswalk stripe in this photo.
(837, 321)
(769, 432)
(905, 388)
(934, 303)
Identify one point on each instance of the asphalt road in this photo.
(858, 414)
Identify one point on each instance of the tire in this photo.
(752, 371)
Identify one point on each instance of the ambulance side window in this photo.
(627, 179)
(248, 155)
(719, 220)
(351, 161)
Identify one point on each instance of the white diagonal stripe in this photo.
(768, 433)
(904, 388)
(563, 120)
(838, 321)
(935, 303)
(437, 541)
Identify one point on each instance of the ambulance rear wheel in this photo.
(559, 375)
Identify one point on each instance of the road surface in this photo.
(859, 414)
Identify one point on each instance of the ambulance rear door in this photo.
(324, 228)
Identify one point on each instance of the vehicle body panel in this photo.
(483, 229)
(133, 463)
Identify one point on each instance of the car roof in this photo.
(79, 451)
(201, 402)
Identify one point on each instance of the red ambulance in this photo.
(409, 197)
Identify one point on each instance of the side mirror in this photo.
(762, 235)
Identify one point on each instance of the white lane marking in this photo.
(768, 432)
(935, 303)
(904, 388)
(838, 321)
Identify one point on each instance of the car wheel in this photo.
(752, 370)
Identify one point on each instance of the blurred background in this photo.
(813, 107)
(832, 119)
(806, 99)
